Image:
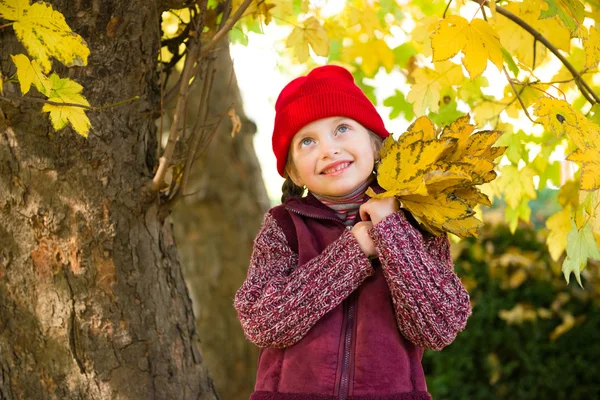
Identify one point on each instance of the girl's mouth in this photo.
(336, 169)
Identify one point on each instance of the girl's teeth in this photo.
(339, 167)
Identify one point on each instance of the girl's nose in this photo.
(329, 148)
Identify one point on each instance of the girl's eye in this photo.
(343, 128)
(306, 141)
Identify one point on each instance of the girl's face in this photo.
(332, 156)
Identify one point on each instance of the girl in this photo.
(343, 293)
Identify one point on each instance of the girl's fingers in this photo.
(364, 214)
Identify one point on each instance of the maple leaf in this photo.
(477, 40)
(429, 83)
(519, 43)
(12, 10)
(559, 117)
(434, 174)
(310, 32)
(570, 12)
(44, 33)
(558, 226)
(581, 245)
(591, 45)
(30, 72)
(379, 53)
(67, 91)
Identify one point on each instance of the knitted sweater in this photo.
(288, 292)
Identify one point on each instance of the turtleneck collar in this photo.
(346, 206)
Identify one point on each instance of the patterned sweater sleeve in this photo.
(430, 302)
(279, 302)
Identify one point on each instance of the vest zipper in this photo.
(345, 377)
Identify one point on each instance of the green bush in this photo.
(523, 355)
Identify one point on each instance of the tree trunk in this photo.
(215, 227)
(93, 304)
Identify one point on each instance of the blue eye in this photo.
(306, 141)
(342, 127)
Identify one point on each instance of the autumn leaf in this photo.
(13, 10)
(581, 245)
(519, 43)
(434, 174)
(312, 33)
(429, 83)
(558, 226)
(45, 33)
(591, 45)
(570, 12)
(379, 55)
(67, 91)
(30, 72)
(477, 40)
(559, 117)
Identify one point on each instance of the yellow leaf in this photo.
(519, 42)
(13, 10)
(1, 84)
(478, 41)
(425, 92)
(373, 54)
(45, 34)
(442, 212)
(519, 314)
(559, 116)
(517, 278)
(424, 96)
(67, 91)
(565, 326)
(365, 17)
(435, 186)
(516, 184)
(589, 160)
(30, 72)
(310, 32)
(402, 170)
(558, 226)
(591, 45)
(421, 129)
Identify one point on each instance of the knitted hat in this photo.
(327, 91)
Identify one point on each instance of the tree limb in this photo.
(585, 89)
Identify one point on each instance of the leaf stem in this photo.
(512, 85)
(585, 89)
(6, 25)
(447, 7)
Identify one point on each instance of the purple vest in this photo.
(355, 351)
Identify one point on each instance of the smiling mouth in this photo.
(336, 170)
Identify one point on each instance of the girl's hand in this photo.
(361, 233)
(377, 209)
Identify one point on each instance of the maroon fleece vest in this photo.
(355, 351)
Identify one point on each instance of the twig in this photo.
(55, 103)
(225, 29)
(6, 25)
(585, 89)
(512, 85)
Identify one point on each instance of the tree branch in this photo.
(585, 89)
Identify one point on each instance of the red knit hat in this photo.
(327, 91)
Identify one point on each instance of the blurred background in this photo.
(532, 335)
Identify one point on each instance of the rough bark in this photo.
(93, 303)
(215, 226)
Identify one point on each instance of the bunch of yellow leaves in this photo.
(434, 174)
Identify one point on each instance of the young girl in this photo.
(343, 293)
